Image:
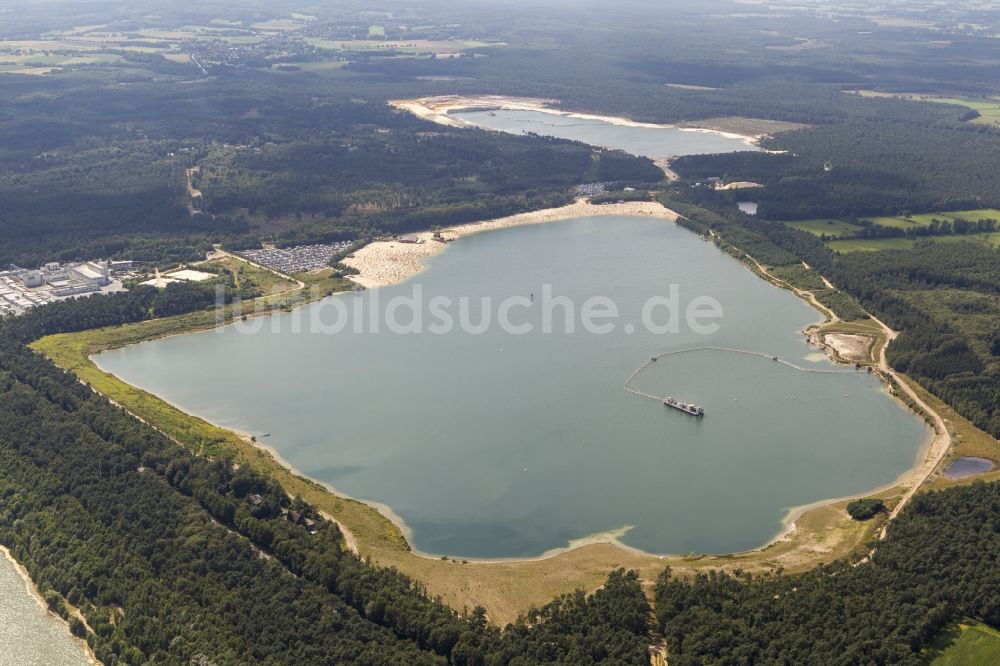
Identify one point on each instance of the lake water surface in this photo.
(653, 142)
(497, 444)
(30, 636)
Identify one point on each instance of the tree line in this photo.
(174, 558)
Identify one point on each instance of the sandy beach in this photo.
(384, 263)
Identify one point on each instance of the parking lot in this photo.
(298, 259)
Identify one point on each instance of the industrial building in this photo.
(22, 289)
(73, 279)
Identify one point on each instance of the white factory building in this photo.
(68, 280)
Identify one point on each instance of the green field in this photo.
(871, 244)
(989, 109)
(924, 219)
(832, 228)
(973, 644)
(841, 229)
(895, 222)
(376, 31)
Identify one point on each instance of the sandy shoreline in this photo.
(437, 110)
(385, 263)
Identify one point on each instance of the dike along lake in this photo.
(495, 444)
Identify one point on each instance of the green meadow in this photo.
(872, 244)
(842, 233)
(819, 227)
(989, 109)
(973, 644)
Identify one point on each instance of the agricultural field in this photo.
(924, 219)
(260, 42)
(843, 233)
(44, 62)
(828, 227)
(895, 222)
(989, 109)
(216, 41)
(872, 244)
(973, 644)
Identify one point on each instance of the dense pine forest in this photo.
(173, 558)
(294, 162)
(936, 566)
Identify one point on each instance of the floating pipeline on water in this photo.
(635, 390)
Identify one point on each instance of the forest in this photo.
(866, 166)
(97, 169)
(174, 558)
(936, 566)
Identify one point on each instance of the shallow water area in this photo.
(968, 466)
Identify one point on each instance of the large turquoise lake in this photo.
(498, 444)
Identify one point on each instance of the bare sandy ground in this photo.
(849, 347)
(384, 263)
(739, 185)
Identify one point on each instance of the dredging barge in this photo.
(692, 409)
